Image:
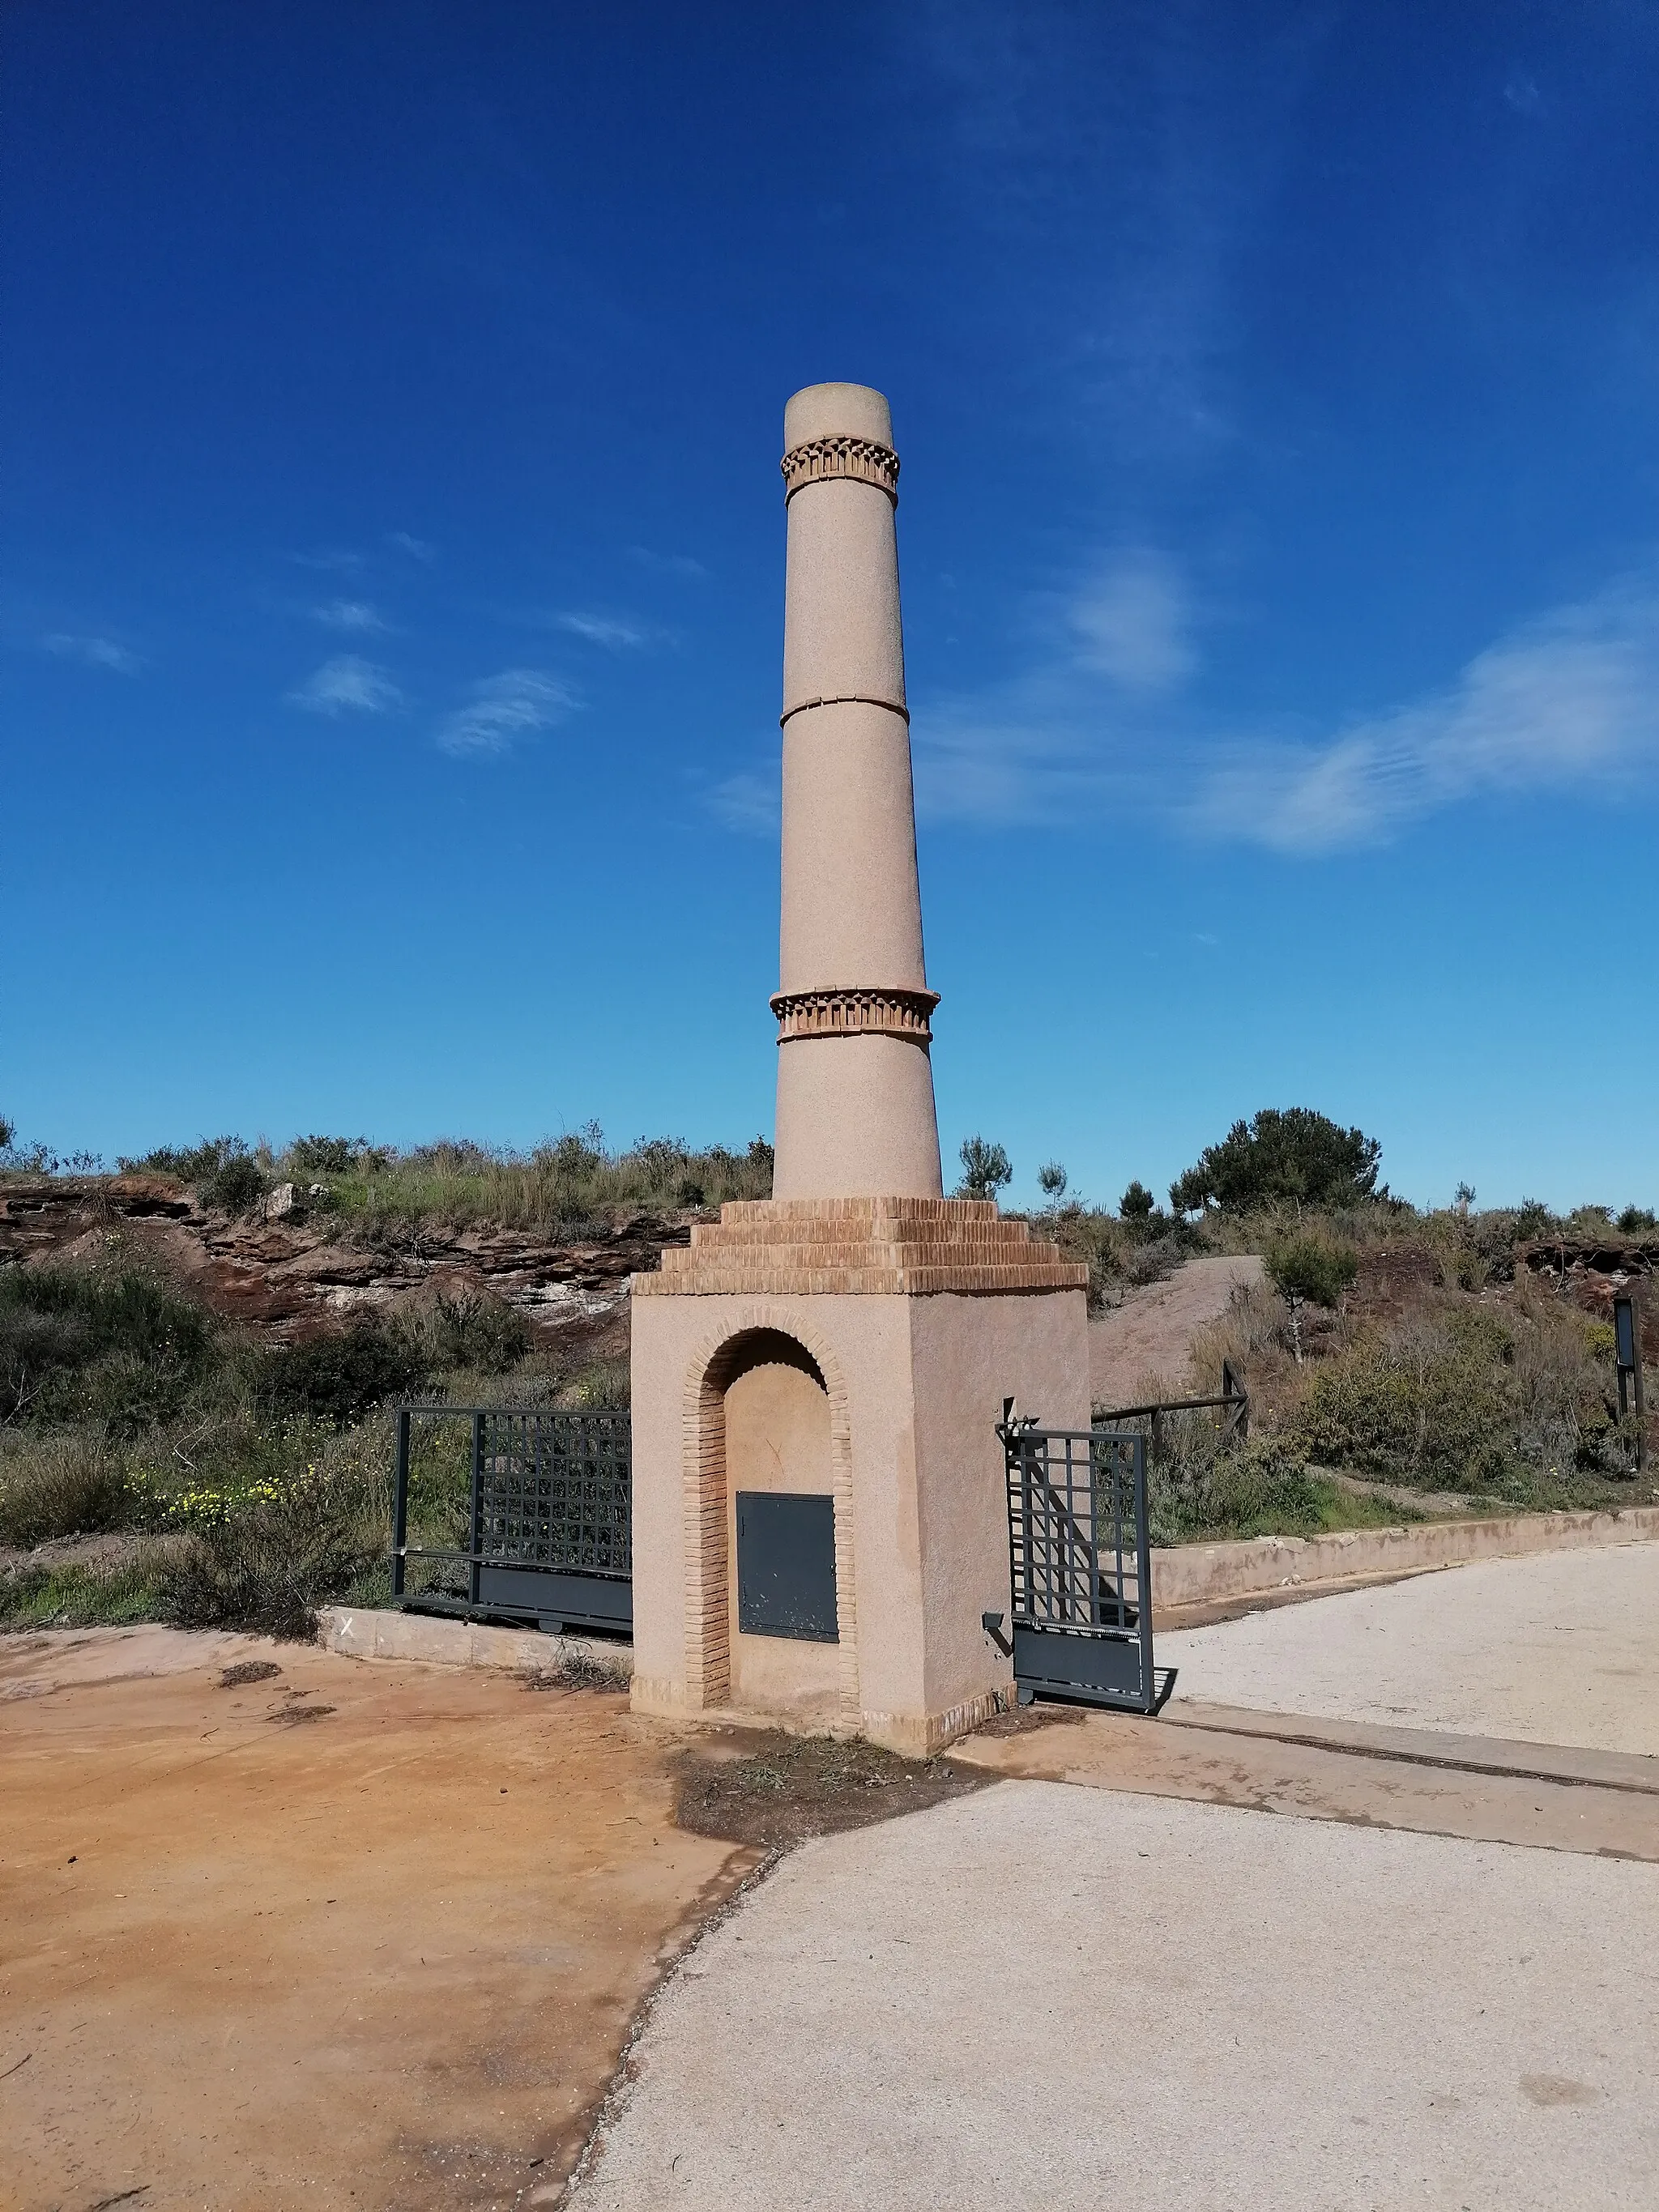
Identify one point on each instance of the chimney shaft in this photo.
(855, 1085)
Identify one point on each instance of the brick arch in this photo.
(716, 1364)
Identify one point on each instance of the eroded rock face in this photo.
(292, 1277)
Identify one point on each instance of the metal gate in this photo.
(539, 1517)
(1081, 1566)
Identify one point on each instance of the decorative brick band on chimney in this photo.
(822, 459)
(854, 1014)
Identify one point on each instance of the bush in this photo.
(69, 1484)
(339, 1377)
(267, 1566)
(1297, 1157)
(1309, 1270)
(1312, 1270)
(985, 1168)
(236, 1187)
(113, 1343)
(467, 1329)
(325, 1155)
(1199, 1489)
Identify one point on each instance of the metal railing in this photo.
(518, 1512)
(1233, 1405)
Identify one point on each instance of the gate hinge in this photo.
(991, 1623)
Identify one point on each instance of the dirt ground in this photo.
(348, 1934)
(1152, 1332)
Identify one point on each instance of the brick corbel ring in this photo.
(879, 1011)
(822, 459)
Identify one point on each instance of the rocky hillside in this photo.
(290, 1276)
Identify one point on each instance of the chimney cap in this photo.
(836, 410)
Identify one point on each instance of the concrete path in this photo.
(1152, 1332)
(1563, 1649)
(1069, 1998)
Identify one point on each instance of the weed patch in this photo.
(789, 1788)
(69, 1595)
(268, 1566)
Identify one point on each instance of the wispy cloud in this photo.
(1522, 94)
(1132, 622)
(416, 548)
(333, 560)
(504, 708)
(1567, 702)
(95, 652)
(668, 564)
(348, 615)
(1570, 701)
(747, 803)
(616, 636)
(345, 685)
(1126, 177)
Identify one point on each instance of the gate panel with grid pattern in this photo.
(550, 1519)
(1081, 1566)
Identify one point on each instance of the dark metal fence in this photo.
(1081, 1566)
(514, 1512)
(1233, 1405)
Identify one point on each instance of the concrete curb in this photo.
(1629, 1771)
(1207, 1574)
(359, 1632)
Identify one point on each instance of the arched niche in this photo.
(770, 1467)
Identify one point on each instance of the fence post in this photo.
(1143, 1579)
(1237, 1408)
(477, 1544)
(400, 1504)
(1627, 1363)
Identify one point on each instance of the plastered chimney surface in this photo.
(855, 1089)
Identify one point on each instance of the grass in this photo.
(79, 1595)
(570, 1182)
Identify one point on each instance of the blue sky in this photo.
(390, 409)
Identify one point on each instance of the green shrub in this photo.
(80, 1596)
(221, 1170)
(343, 1375)
(325, 1155)
(1309, 1269)
(985, 1168)
(69, 1483)
(1296, 1157)
(1201, 1489)
(467, 1329)
(114, 1343)
(267, 1566)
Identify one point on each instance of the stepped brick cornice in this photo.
(874, 1247)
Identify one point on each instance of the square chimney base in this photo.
(856, 1351)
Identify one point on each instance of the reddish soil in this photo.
(348, 1933)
